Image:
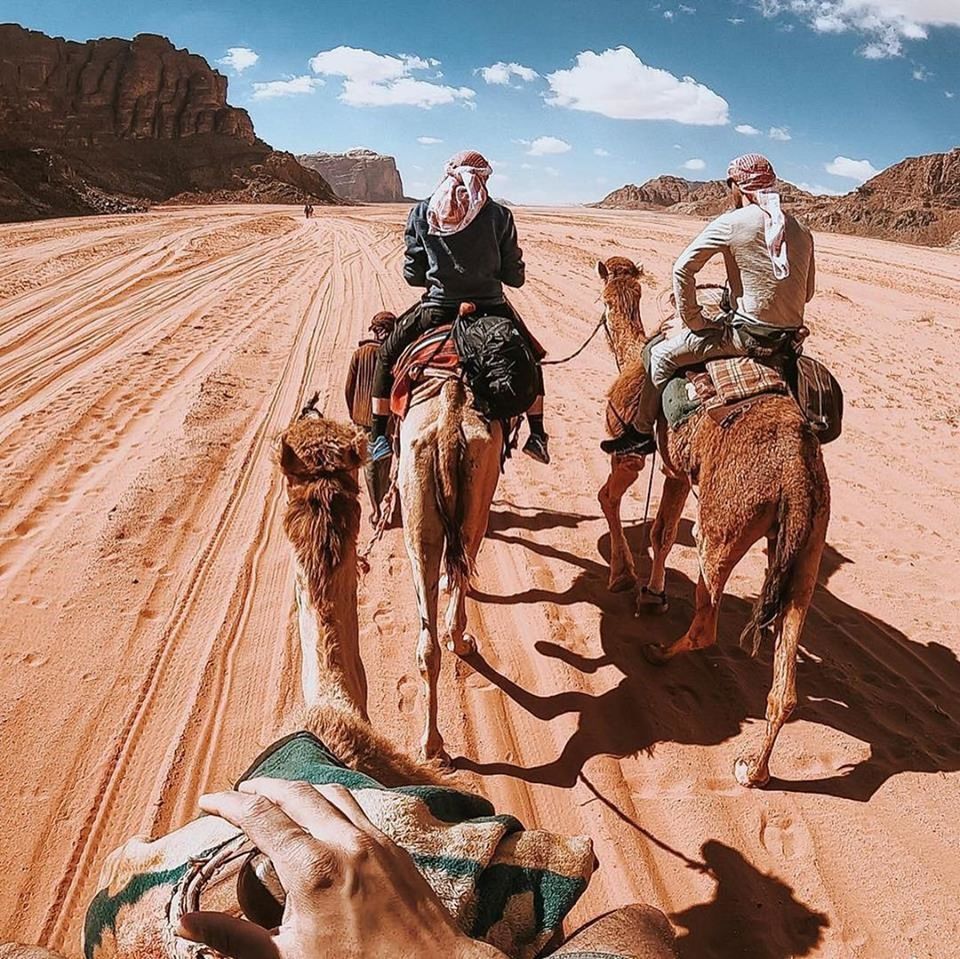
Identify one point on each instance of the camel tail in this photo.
(450, 466)
(796, 514)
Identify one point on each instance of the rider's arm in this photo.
(712, 240)
(811, 274)
(415, 258)
(513, 271)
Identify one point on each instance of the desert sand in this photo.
(147, 364)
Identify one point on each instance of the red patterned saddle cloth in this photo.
(422, 368)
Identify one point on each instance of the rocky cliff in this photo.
(358, 175)
(914, 201)
(111, 125)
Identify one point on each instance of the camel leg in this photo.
(717, 563)
(483, 472)
(663, 535)
(423, 536)
(623, 474)
(782, 700)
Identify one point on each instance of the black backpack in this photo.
(498, 364)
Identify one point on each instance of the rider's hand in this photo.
(350, 891)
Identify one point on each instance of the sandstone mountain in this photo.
(915, 201)
(112, 125)
(358, 175)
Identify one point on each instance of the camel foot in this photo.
(649, 601)
(656, 654)
(622, 582)
(747, 773)
(463, 647)
(436, 756)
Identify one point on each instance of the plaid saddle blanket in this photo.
(509, 886)
(719, 384)
(432, 357)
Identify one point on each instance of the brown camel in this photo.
(448, 471)
(761, 476)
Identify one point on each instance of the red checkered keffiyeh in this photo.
(755, 176)
(461, 194)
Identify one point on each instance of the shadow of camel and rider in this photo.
(751, 913)
(856, 674)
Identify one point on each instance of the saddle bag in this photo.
(820, 398)
(498, 364)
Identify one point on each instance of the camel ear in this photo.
(602, 270)
(291, 464)
(639, 267)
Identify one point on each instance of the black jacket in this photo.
(469, 265)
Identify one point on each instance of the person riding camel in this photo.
(771, 274)
(358, 392)
(462, 247)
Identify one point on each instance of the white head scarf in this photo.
(755, 176)
(461, 194)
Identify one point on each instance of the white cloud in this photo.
(600, 152)
(817, 190)
(694, 164)
(780, 133)
(527, 166)
(429, 141)
(544, 146)
(687, 9)
(551, 171)
(920, 73)
(859, 170)
(747, 130)
(949, 94)
(239, 59)
(290, 87)
(378, 80)
(499, 73)
(618, 84)
(668, 14)
(736, 21)
(886, 23)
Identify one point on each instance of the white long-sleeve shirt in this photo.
(758, 294)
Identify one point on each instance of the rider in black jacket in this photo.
(461, 246)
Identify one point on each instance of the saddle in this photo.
(422, 368)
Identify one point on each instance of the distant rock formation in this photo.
(914, 201)
(361, 175)
(113, 125)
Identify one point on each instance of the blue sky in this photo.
(596, 97)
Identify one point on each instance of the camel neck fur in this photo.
(320, 459)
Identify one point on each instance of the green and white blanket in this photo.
(506, 885)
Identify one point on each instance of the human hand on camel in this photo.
(350, 890)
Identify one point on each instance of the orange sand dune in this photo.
(146, 365)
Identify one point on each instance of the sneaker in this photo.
(630, 443)
(536, 447)
(380, 449)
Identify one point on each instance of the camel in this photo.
(319, 460)
(761, 476)
(448, 470)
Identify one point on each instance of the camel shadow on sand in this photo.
(857, 674)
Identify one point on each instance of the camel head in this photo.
(313, 447)
(621, 294)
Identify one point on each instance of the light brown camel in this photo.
(448, 471)
(761, 476)
(319, 459)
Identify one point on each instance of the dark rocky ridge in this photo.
(111, 125)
